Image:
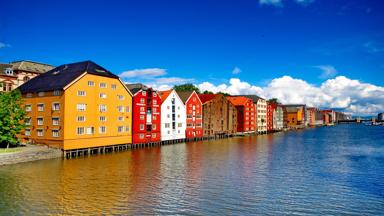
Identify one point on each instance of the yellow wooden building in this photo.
(77, 106)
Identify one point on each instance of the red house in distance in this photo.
(245, 113)
(145, 114)
(194, 109)
(271, 107)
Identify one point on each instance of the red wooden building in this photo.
(194, 109)
(145, 113)
(271, 107)
(245, 113)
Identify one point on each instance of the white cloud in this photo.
(4, 45)
(373, 47)
(349, 95)
(279, 3)
(328, 71)
(146, 73)
(236, 70)
(271, 2)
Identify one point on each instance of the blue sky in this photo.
(255, 41)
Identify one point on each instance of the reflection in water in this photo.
(333, 170)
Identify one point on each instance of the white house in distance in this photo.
(173, 116)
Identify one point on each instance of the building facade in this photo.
(296, 115)
(219, 115)
(173, 116)
(245, 113)
(16, 73)
(77, 106)
(146, 109)
(194, 113)
(278, 118)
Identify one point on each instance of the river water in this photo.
(323, 171)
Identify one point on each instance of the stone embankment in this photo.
(30, 153)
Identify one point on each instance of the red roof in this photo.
(238, 100)
(165, 94)
(206, 97)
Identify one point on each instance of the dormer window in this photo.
(8, 71)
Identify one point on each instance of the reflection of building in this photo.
(146, 114)
(78, 105)
(173, 116)
(261, 110)
(380, 117)
(219, 115)
(194, 112)
(16, 73)
(296, 115)
(245, 113)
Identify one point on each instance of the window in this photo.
(141, 117)
(55, 121)
(154, 127)
(103, 85)
(56, 92)
(120, 129)
(40, 132)
(141, 136)
(120, 108)
(56, 106)
(127, 108)
(40, 107)
(27, 121)
(103, 118)
(40, 94)
(27, 132)
(55, 133)
(142, 100)
(167, 125)
(154, 109)
(80, 130)
(142, 109)
(126, 128)
(155, 102)
(28, 108)
(40, 121)
(91, 83)
(120, 97)
(120, 118)
(144, 93)
(180, 125)
(141, 126)
(113, 86)
(103, 95)
(168, 116)
(29, 95)
(81, 107)
(81, 93)
(102, 108)
(154, 94)
(9, 71)
(153, 135)
(90, 130)
(154, 117)
(102, 129)
(80, 118)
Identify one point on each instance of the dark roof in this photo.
(255, 98)
(59, 77)
(136, 87)
(184, 95)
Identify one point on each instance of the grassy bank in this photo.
(10, 150)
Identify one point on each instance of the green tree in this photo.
(12, 117)
(273, 100)
(186, 87)
(207, 92)
(223, 93)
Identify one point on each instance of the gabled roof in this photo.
(59, 77)
(255, 98)
(207, 97)
(136, 87)
(164, 94)
(31, 66)
(239, 100)
(184, 95)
